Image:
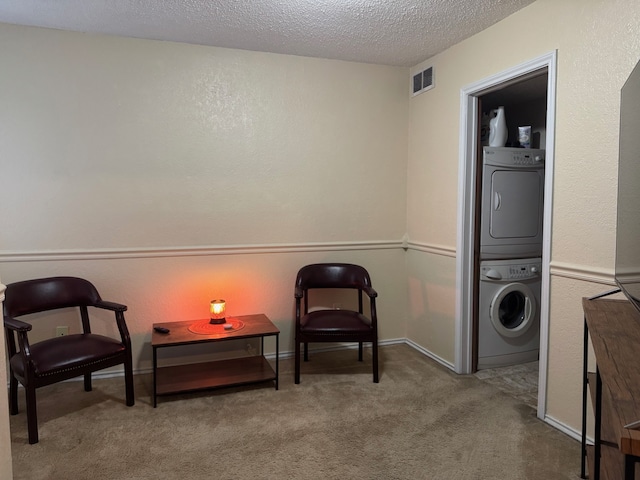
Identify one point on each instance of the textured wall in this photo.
(431, 296)
(595, 56)
(127, 143)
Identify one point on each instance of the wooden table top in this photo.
(614, 327)
(179, 333)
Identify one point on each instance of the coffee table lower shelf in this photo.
(209, 375)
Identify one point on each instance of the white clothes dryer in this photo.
(512, 203)
(509, 312)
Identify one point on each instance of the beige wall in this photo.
(128, 143)
(598, 46)
(431, 295)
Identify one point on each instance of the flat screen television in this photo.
(627, 266)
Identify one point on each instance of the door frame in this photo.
(467, 194)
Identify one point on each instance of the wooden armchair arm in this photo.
(122, 328)
(21, 328)
(113, 306)
(119, 310)
(374, 312)
(370, 291)
(17, 325)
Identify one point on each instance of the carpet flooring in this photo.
(420, 422)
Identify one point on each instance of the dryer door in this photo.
(516, 205)
(513, 310)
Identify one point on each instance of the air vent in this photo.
(422, 81)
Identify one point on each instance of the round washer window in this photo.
(512, 310)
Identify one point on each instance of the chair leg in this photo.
(32, 414)
(87, 382)
(297, 363)
(374, 348)
(128, 382)
(360, 351)
(306, 352)
(13, 394)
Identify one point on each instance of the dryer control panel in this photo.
(527, 159)
(514, 157)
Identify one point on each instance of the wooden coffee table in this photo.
(169, 380)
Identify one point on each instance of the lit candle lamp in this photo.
(217, 311)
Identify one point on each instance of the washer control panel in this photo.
(508, 270)
(523, 271)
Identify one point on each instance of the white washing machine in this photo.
(509, 312)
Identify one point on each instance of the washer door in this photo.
(512, 310)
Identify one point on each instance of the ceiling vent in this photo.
(422, 81)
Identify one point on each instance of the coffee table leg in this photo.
(155, 368)
(277, 356)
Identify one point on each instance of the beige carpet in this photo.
(420, 422)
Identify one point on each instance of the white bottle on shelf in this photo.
(498, 128)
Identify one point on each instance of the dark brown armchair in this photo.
(60, 358)
(335, 325)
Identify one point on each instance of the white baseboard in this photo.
(570, 431)
(431, 355)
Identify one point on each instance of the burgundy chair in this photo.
(60, 358)
(335, 325)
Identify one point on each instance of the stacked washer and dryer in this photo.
(510, 256)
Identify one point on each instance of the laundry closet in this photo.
(509, 222)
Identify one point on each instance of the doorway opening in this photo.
(474, 98)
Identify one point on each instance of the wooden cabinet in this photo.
(613, 386)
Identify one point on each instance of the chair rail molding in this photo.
(442, 250)
(187, 251)
(582, 273)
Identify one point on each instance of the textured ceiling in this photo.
(389, 32)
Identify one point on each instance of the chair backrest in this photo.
(333, 275)
(32, 296)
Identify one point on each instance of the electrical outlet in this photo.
(250, 349)
(62, 331)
